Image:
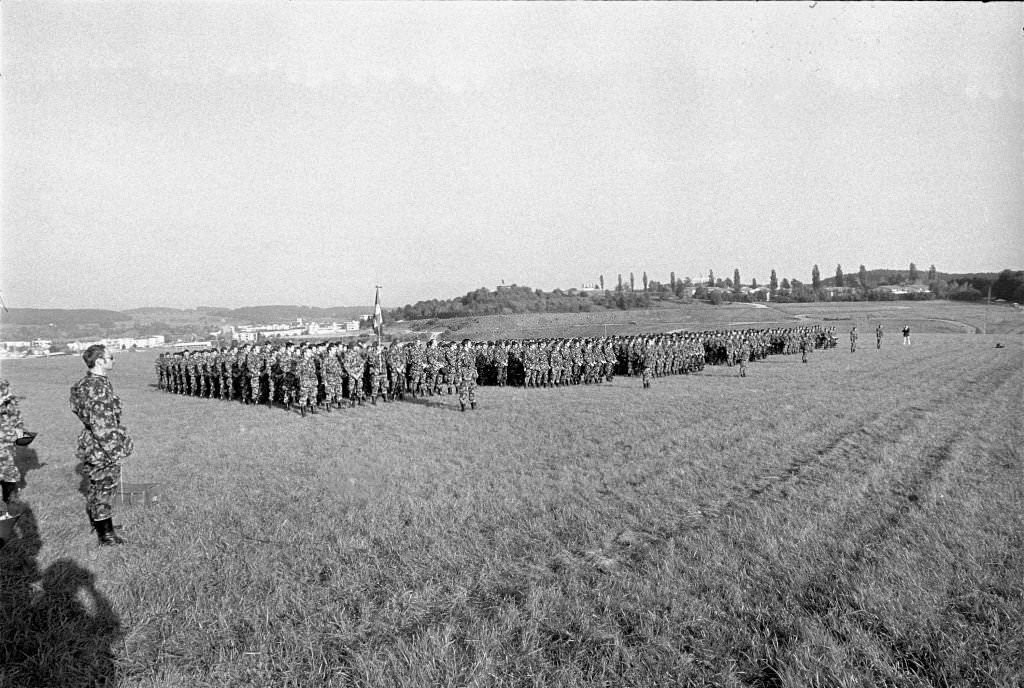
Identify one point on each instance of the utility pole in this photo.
(987, 302)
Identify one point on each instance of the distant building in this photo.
(903, 289)
(122, 343)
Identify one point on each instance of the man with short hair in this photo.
(103, 442)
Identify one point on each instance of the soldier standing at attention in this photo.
(742, 356)
(377, 363)
(395, 359)
(853, 339)
(306, 381)
(416, 361)
(253, 365)
(501, 362)
(334, 377)
(103, 442)
(11, 428)
(465, 360)
(648, 359)
(355, 364)
(878, 336)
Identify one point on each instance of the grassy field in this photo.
(855, 521)
(922, 316)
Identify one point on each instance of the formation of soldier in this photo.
(314, 376)
(588, 360)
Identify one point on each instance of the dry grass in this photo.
(856, 521)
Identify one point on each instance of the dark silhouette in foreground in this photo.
(56, 628)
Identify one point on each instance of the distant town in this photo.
(225, 336)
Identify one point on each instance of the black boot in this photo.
(105, 532)
(10, 491)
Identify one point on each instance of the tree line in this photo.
(627, 292)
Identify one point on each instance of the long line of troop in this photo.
(312, 375)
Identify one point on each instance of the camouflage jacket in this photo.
(11, 424)
(355, 362)
(94, 402)
(465, 360)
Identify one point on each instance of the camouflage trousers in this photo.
(9, 472)
(307, 392)
(646, 374)
(254, 388)
(355, 388)
(104, 481)
(378, 385)
(334, 387)
(397, 382)
(225, 387)
(467, 391)
(416, 380)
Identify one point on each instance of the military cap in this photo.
(26, 439)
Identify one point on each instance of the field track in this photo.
(855, 521)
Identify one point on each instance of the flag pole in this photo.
(378, 316)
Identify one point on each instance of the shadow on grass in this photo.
(435, 402)
(58, 629)
(27, 461)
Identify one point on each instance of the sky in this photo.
(187, 154)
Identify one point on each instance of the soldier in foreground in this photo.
(11, 429)
(103, 442)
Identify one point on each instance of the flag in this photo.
(378, 315)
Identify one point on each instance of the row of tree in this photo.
(625, 294)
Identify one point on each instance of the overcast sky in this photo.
(190, 153)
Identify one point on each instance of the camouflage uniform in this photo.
(648, 360)
(435, 364)
(501, 363)
(465, 362)
(450, 370)
(11, 428)
(416, 361)
(395, 359)
(161, 372)
(378, 371)
(355, 367)
(103, 442)
(306, 380)
(334, 378)
(878, 336)
(253, 371)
